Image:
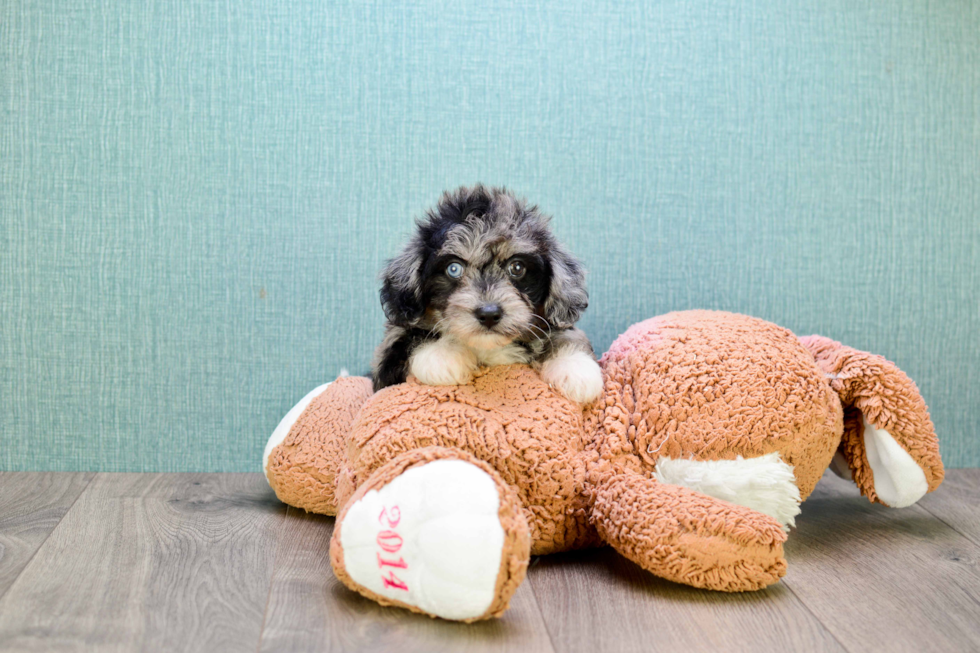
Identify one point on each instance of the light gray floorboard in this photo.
(884, 579)
(31, 505)
(150, 562)
(213, 562)
(957, 502)
(310, 610)
(599, 601)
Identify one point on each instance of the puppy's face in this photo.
(484, 268)
(486, 289)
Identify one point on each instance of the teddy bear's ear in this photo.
(889, 444)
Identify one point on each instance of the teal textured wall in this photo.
(197, 195)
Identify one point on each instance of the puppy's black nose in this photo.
(489, 314)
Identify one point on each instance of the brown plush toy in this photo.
(711, 429)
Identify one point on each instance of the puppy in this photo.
(483, 282)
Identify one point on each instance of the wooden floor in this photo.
(212, 562)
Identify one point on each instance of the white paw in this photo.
(443, 362)
(765, 484)
(576, 375)
(431, 538)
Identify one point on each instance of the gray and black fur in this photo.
(494, 236)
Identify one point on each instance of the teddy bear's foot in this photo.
(305, 453)
(287, 422)
(434, 531)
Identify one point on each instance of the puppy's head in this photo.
(484, 267)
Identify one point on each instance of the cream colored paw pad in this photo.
(430, 538)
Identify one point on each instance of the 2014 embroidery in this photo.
(390, 541)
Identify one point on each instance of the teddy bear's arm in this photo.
(889, 443)
(688, 537)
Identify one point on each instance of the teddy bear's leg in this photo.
(435, 531)
(889, 447)
(688, 537)
(306, 451)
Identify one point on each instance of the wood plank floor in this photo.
(212, 562)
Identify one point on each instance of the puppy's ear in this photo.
(567, 296)
(401, 287)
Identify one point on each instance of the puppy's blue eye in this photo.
(454, 270)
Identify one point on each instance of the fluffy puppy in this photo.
(483, 282)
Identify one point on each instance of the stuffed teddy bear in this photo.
(711, 430)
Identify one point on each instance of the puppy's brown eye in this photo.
(516, 269)
(454, 270)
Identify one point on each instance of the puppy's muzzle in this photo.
(489, 315)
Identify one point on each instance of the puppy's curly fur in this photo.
(484, 282)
